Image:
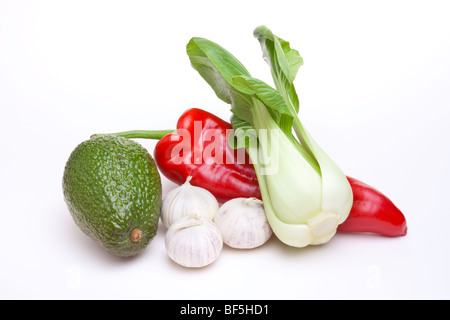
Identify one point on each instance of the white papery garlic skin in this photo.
(243, 223)
(194, 242)
(187, 201)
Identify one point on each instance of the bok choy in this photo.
(305, 194)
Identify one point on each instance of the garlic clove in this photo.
(243, 223)
(187, 201)
(193, 242)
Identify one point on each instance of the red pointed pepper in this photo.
(199, 148)
(214, 165)
(373, 212)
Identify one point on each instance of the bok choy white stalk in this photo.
(305, 194)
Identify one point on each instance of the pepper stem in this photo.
(143, 134)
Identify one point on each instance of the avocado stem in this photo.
(144, 134)
(136, 235)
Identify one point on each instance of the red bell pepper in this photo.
(227, 178)
(221, 174)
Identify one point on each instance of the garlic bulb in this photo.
(243, 223)
(193, 242)
(186, 201)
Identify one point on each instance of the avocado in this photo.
(112, 189)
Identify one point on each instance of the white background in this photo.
(374, 92)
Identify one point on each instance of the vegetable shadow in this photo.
(83, 245)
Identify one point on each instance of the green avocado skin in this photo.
(111, 186)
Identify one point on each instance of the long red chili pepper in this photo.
(227, 178)
(373, 212)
